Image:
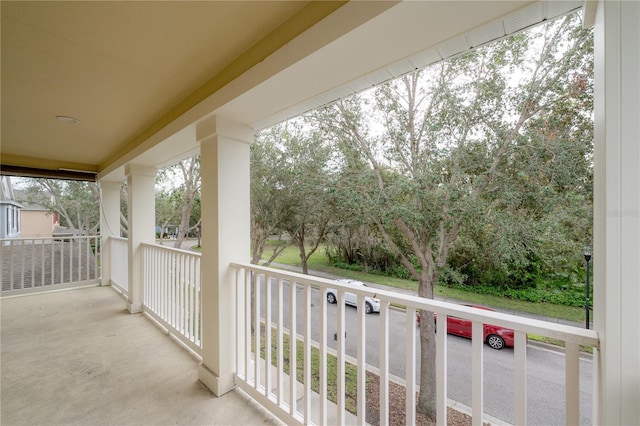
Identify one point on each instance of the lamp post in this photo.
(587, 258)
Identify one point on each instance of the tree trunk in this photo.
(427, 395)
(185, 216)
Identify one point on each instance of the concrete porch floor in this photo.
(78, 357)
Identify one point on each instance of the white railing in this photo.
(119, 263)
(171, 288)
(37, 264)
(266, 296)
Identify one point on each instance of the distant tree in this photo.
(183, 183)
(76, 202)
(168, 211)
(447, 156)
(291, 178)
(305, 192)
(267, 211)
(124, 223)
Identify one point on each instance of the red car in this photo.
(494, 336)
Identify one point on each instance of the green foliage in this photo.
(556, 296)
(291, 177)
(77, 203)
(351, 372)
(482, 173)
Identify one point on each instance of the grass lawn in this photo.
(351, 394)
(319, 262)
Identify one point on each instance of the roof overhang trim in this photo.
(32, 172)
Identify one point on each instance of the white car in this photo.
(370, 304)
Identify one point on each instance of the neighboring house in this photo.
(37, 221)
(9, 210)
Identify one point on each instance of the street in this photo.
(545, 368)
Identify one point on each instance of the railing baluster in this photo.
(155, 279)
(410, 400)
(87, 257)
(240, 349)
(174, 288)
(145, 278)
(42, 264)
(248, 285)
(167, 284)
(61, 261)
(184, 291)
(572, 383)
(384, 363)
(477, 346)
(21, 264)
(520, 375)
(323, 356)
(166, 278)
(192, 288)
(267, 337)
(183, 294)
(187, 296)
(340, 337)
(307, 354)
(154, 282)
(12, 265)
(280, 343)
(198, 302)
(441, 370)
(53, 262)
(362, 355)
(157, 283)
(70, 260)
(3, 273)
(293, 368)
(175, 262)
(256, 328)
(33, 263)
(238, 323)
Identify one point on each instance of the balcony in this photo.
(72, 351)
(78, 357)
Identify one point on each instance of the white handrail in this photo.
(171, 288)
(40, 264)
(253, 279)
(119, 263)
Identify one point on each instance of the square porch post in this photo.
(617, 212)
(224, 172)
(109, 224)
(141, 212)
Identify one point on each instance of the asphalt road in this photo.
(545, 367)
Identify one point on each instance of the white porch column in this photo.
(141, 226)
(616, 257)
(224, 172)
(109, 224)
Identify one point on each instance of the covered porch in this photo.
(84, 356)
(77, 357)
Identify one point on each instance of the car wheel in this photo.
(331, 298)
(368, 308)
(495, 341)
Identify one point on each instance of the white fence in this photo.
(119, 263)
(267, 296)
(171, 288)
(36, 264)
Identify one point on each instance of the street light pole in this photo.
(587, 257)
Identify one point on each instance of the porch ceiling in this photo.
(138, 75)
(119, 67)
